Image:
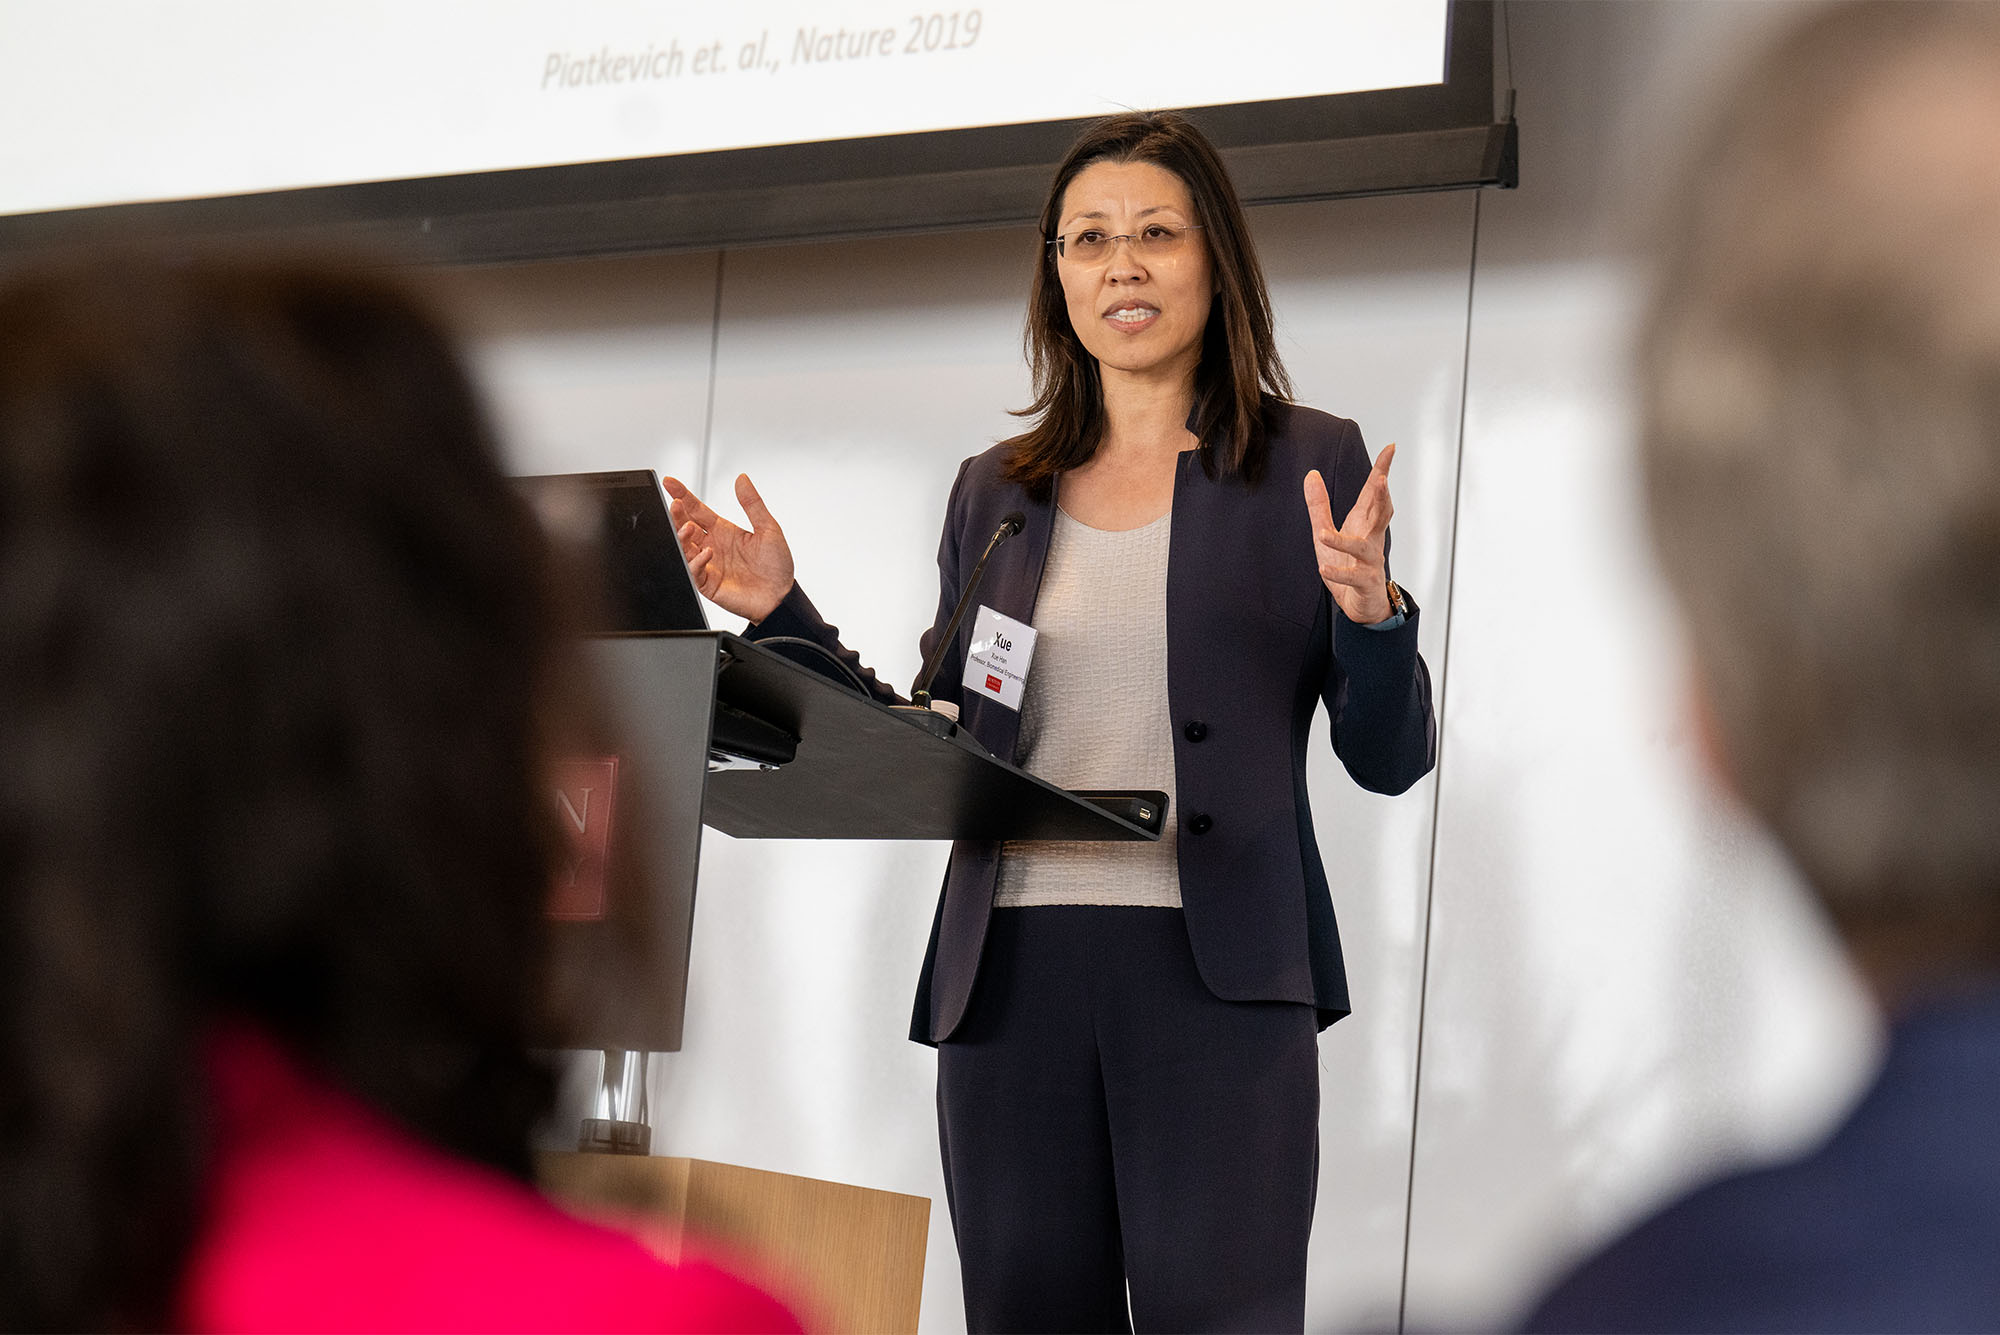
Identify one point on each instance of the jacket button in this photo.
(1195, 730)
(1199, 823)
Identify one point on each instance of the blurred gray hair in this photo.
(1821, 398)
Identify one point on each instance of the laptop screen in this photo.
(647, 582)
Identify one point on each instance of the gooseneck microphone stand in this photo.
(919, 710)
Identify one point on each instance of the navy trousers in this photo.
(1111, 1129)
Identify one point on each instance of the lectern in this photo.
(715, 729)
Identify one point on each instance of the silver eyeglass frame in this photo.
(1110, 242)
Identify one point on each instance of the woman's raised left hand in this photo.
(1353, 559)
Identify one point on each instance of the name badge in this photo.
(1002, 648)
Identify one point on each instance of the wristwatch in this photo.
(1399, 610)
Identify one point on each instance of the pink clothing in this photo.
(322, 1215)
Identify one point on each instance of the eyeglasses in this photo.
(1154, 241)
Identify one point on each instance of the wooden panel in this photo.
(851, 1257)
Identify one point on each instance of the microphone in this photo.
(920, 694)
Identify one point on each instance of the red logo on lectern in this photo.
(585, 792)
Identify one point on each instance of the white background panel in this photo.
(591, 365)
(1370, 297)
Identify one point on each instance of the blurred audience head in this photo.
(1821, 386)
(273, 629)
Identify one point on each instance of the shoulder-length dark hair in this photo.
(1239, 356)
(273, 635)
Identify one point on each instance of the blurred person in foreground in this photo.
(1821, 385)
(275, 650)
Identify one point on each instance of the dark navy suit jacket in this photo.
(1893, 1225)
(1254, 645)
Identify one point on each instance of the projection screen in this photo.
(486, 129)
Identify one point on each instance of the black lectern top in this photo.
(861, 771)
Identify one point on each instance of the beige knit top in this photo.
(1094, 713)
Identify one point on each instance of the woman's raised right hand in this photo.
(745, 572)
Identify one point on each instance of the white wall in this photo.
(1617, 986)
(1625, 989)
